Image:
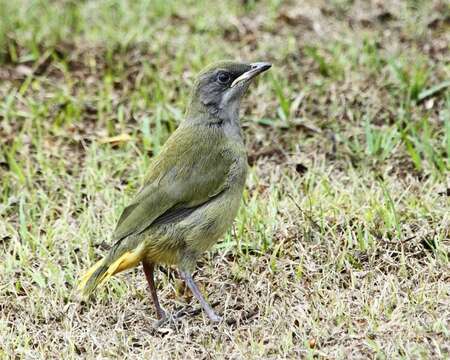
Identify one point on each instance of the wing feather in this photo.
(178, 179)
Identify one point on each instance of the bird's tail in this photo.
(99, 273)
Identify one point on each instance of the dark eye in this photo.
(223, 77)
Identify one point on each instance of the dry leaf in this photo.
(115, 139)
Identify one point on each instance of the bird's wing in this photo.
(189, 170)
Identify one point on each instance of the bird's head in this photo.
(219, 88)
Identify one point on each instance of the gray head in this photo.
(219, 88)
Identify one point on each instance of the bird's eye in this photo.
(223, 77)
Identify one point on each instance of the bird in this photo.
(192, 191)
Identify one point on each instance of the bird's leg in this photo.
(187, 277)
(149, 268)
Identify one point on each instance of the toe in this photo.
(215, 318)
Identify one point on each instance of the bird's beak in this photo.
(255, 70)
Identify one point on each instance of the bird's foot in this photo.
(164, 319)
(215, 318)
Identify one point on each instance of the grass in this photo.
(342, 247)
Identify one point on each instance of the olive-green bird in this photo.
(193, 189)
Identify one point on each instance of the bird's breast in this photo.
(235, 153)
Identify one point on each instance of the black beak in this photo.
(255, 70)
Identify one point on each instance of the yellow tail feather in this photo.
(126, 261)
(99, 274)
(84, 279)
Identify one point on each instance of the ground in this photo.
(341, 247)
